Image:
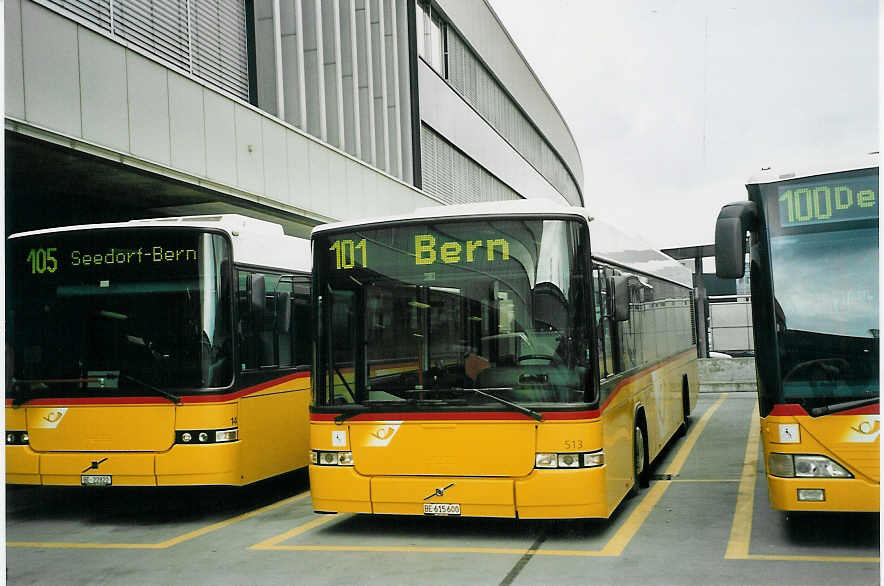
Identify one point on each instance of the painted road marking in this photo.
(613, 548)
(163, 544)
(741, 529)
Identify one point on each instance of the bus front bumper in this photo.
(838, 494)
(543, 494)
(193, 465)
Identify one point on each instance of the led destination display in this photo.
(427, 250)
(843, 199)
(49, 259)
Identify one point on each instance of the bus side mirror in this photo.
(734, 220)
(619, 288)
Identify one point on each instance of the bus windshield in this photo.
(823, 247)
(429, 314)
(118, 311)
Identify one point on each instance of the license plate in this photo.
(441, 509)
(95, 479)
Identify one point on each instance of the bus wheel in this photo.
(639, 459)
(685, 408)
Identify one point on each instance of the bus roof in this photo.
(774, 174)
(608, 243)
(255, 242)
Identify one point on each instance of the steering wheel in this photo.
(829, 368)
(549, 357)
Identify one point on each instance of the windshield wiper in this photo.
(172, 397)
(21, 397)
(342, 417)
(516, 406)
(835, 407)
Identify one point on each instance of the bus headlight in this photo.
(804, 466)
(17, 438)
(569, 460)
(207, 436)
(328, 458)
(819, 467)
(226, 435)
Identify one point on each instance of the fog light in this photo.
(345, 458)
(314, 459)
(545, 461)
(10, 438)
(813, 495)
(569, 461)
(781, 465)
(186, 437)
(25, 438)
(204, 437)
(227, 435)
(594, 460)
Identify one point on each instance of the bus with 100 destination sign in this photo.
(814, 283)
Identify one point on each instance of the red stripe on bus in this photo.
(797, 410)
(459, 416)
(152, 400)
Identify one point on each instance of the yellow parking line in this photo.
(396, 549)
(613, 548)
(714, 480)
(163, 544)
(741, 529)
(631, 526)
(273, 542)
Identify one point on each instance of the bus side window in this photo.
(603, 320)
(291, 328)
(256, 328)
(302, 346)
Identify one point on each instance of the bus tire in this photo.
(640, 473)
(685, 408)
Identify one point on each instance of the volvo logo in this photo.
(94, 465)
(438, 492)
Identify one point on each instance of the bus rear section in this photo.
(143, 354)
(814, 280)
(458, 371)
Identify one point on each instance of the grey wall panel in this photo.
(148, 108)
(291, 59)
(14, 69)
(444, 110)
(319, 160)
(249, 150)
(478, 24)
(275, 177)
(353, 190)
(187, 127)
(220, 138)
(51, 70)
(103, 91)
(298, 171)
(337, 185)
(264, 56)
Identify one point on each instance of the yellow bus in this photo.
(514, 359)
(814, 284)
(171, 351)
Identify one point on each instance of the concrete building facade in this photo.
(302, 111)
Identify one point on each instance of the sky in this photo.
(675, 104)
